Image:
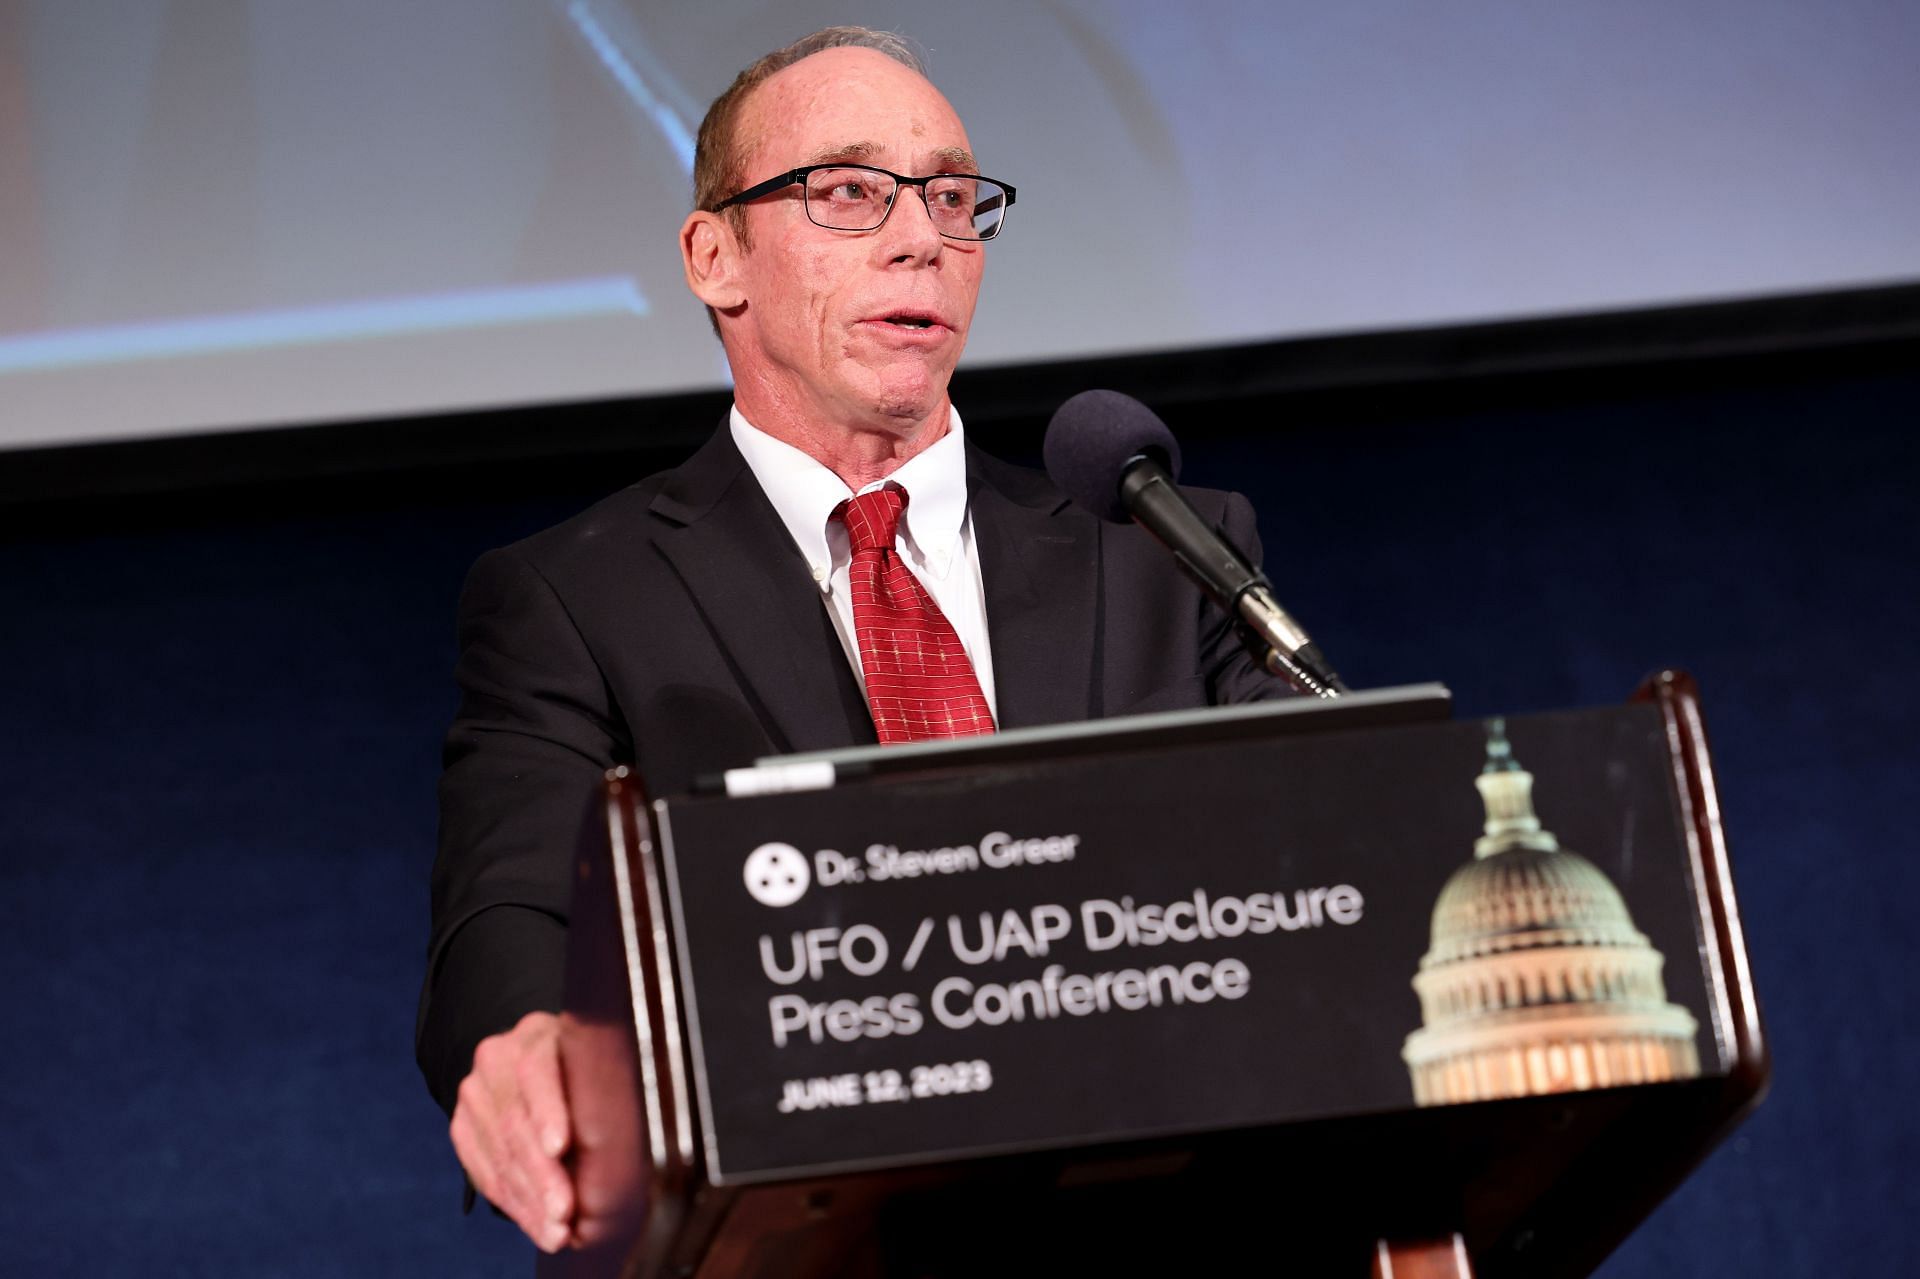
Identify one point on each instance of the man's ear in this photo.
(711, 253)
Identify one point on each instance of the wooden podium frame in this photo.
(1539, 1186)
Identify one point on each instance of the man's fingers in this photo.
(474, 1145)
(539, 1129)
(538, 1073)
(510, 1126)
(546, 1180)
(492, 1164)
(531, 1201)
(528, 1187)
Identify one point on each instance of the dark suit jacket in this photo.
(676, 627)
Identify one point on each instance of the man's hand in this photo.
(510, 1128)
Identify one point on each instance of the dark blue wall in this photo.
(219, 736)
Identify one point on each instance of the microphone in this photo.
(1114, 456)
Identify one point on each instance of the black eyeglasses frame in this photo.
(795, 176)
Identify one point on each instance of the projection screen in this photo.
(225, 215)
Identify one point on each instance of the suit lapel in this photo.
(1039, 559)
(732, 553)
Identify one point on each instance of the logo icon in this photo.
(777, 874)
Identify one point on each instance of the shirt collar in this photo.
(804, 493)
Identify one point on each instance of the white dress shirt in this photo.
(935, 537)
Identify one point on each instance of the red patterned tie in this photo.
(919, 682)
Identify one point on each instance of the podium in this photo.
(1330, 988)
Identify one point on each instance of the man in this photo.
(725, 610)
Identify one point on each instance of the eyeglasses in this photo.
(853, 197)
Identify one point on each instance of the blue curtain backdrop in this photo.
(219, 739)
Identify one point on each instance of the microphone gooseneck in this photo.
(1114, 456)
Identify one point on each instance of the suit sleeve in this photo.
(535, 732)
(1232, 675)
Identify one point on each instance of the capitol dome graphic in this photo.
(1536, 980)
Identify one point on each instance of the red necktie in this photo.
(919, 681)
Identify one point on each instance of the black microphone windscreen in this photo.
(1092, 438)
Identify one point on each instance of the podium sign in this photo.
(1133, 944)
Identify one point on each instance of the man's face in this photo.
(819, 334)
